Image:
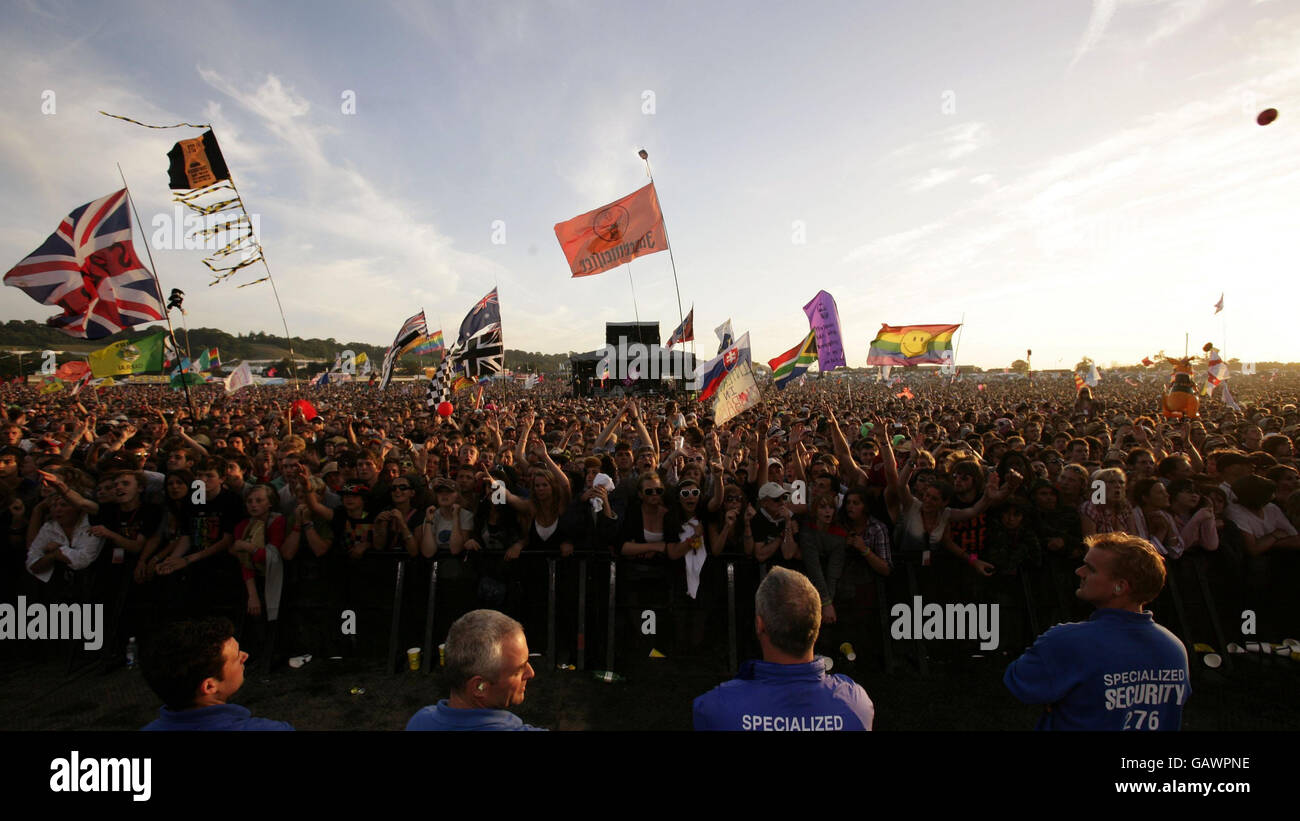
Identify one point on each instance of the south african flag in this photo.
(795, 362)
(912, 345)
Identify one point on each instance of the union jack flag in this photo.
(89, 268)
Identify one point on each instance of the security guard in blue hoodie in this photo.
(788, 689)
(1119, 670)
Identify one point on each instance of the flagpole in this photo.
(293, 363)
(957, 347)
(167, 314)
(635, 309)
(644, 155)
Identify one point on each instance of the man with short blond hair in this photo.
(1119, 670)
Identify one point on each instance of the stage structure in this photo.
(631, 363)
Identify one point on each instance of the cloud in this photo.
(965, 139)
(1098, 21)
(346, 231)
(933, 177)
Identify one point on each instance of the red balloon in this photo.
(1266, 116)
(445, 409)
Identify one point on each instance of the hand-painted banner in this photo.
(613, 234)
(737, 394)
(824, 318)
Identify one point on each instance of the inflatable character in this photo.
(1179, 400)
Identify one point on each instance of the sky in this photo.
(1077, 178)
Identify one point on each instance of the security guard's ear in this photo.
(476, 686)
(758, 625)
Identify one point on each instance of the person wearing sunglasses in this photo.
(396, 526)
(688, 554)
(774, 529)
(642, 533)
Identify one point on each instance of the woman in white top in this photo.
(65, 539)
(1263, 525)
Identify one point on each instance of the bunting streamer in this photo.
(198, 175)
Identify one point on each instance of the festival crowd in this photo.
(167, 506)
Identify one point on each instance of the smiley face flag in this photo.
(911, 344)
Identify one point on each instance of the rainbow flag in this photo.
(912, 345)
(425, 344)
(209, 359)
(461, 382)
(795, 362)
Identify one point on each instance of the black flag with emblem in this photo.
(196, 163)
(482, 355)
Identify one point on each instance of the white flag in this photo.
(725, 336)
(240, 377)
(1093, 377)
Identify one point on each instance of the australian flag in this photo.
(88, 267)
(485, 314)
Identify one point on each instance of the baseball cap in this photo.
(771, 490)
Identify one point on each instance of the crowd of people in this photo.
(164, 505)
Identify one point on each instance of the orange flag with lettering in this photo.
(613, 234)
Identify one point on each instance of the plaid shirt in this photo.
(876, 537)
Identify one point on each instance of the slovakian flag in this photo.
(88, 267)
(912, 345)
(795, 362)
(685, 332)
(711, 373)
(613, 234)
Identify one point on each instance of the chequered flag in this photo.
(440, 385)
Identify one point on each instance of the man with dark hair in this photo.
(789, 689)
(195, 667)
(1119, 670)
(488, 671)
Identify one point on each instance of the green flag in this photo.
(129, 356)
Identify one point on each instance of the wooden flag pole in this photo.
(167, 314)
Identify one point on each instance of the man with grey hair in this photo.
(488, 671)
(788, 689)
